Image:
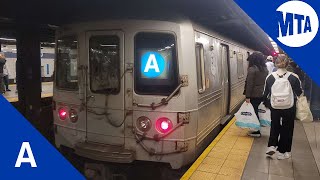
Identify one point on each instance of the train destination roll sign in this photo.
(153, 65)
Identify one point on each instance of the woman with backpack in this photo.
(281, 90)
(257, 73)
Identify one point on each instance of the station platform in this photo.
(12, 96)
(233, 155)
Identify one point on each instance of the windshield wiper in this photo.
(165, 101)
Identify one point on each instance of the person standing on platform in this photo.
(2, 63)
(270, 64)
(280, 95)
(257, 73)
(6, 77)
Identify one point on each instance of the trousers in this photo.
(1, 84)
(6, 82)
(255, 103)
(282, 123)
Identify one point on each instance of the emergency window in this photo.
(156, 70)
(104, 58)
(240, 68)
(67, 63)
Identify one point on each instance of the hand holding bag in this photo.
(246, 117)
(264, 115)
(303, 110)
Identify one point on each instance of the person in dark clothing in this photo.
(6, 78)
(282, 120)
(257, 73)
(2, 63)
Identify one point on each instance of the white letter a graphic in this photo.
(30, 159)
(152, 64)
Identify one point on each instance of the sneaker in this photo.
(271, 150)
(282, 156)
(255, 134)
(288, 154)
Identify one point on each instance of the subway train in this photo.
(47, 61)
(144, 90)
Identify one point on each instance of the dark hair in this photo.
(257, 59)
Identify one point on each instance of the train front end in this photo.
(121, 92)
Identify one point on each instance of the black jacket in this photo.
(255, 82)
(2, 63)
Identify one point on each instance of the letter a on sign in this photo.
(152, 64)
(30, 159)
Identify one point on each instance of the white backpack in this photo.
(281, 92)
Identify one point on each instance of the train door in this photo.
(105, 93)
(225, 79)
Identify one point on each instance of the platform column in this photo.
(28, 69)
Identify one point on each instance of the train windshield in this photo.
(156, 71)
(67, 60)
(104, 56)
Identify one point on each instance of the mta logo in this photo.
(152, 64)
(291, 20)
(297, 22)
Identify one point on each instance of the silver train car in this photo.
(144, 90)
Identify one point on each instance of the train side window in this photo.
(200, 68)
(240, 68)
(67, 63)
(104, 63)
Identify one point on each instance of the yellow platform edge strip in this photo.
(205, 153)
(43, 83)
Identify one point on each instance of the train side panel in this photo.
(209, 101)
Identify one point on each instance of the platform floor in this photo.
(233, 155)
(12, 96)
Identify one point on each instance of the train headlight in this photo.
(164, 125)
(73, 115)
(143, 124)
(62, 114)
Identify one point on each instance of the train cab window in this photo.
(240, 68)
(67, 63)
(156, 70)
(104, 60)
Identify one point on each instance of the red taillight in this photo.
(164, 125)
(73, 115)
(62, 114)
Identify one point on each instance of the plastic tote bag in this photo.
(264, 115)
(247, 118)
(303, 110)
